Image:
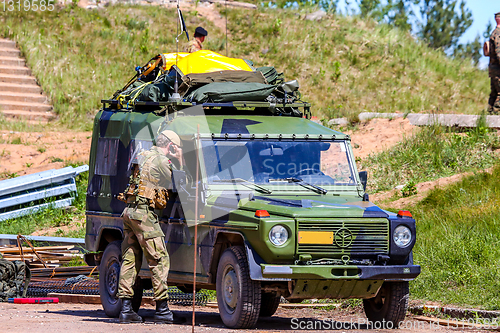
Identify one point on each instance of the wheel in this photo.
(389, 305)
(269, 304)
(238, 297)
(109, 275)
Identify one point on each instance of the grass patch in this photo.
(345, 65)
(51, 217)
(432, 153)
(458, 237)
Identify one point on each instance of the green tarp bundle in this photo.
(219, 92)
(196, 80)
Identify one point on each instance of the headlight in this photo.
(278, 235)
(402, 236)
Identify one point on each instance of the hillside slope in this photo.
(457, 247)
(344, 65)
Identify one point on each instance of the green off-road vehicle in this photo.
(281, 208)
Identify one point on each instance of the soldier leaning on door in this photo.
(146, 192)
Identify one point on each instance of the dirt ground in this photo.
(30, 152)
(376, 135)
(422, 189)
(64, 317)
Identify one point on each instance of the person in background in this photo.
(494, 68)
(196, 43)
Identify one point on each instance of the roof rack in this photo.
(173, 106)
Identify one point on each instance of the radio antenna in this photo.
(175, 96)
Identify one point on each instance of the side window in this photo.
(136, 147)
(107, 157)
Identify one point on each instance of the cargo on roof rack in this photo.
(218, 83)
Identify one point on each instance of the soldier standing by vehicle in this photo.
(142, 233)
(494, 68)
(196, 43)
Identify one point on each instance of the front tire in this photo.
(390, 304)
(238, 296)
(109, 276)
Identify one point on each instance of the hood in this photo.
(306, 207)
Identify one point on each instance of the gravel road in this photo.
(76, 318)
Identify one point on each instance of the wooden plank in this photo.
(305, 306)
(291, 305)
(41, 248)
(89, 299)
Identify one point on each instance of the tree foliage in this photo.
(442, 24)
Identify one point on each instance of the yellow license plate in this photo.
(315, 237)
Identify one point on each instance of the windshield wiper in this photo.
(246, 183)
(302, 183)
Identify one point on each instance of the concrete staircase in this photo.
(20, 95)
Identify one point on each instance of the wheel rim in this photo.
(230, 289)
(112, 278)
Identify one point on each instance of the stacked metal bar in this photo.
(28, 194)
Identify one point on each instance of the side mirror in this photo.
(363, 177)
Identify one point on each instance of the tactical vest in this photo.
(143, 185)
(14, 279)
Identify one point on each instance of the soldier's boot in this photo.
(164, 315)
(128, 315)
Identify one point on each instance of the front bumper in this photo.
(337, 272)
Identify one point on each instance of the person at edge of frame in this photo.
(494, 68)
(146, 192)
(196, 43)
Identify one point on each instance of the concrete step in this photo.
(24, 106)
(12, 61)
(17, 79)
(28, 115)
(15, 70)
(20, 88)
(7, 44)
(8, 97)
(6, 52)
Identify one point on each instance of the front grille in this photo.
(369, 237)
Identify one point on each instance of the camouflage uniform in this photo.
(194, 45)
(142, 232)
(494, 72)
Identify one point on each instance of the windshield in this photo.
(277, 162)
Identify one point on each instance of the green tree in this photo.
(398, 13)
(488, 31)
(470, 51)
(442, 23)
(370, 8)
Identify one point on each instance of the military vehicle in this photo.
(282, 210)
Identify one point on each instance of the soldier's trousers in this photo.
(142, 234)
(494, 100)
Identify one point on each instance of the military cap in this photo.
(497, 14)
(172, 136)
(200, 31)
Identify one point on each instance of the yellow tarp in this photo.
(204, 61)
